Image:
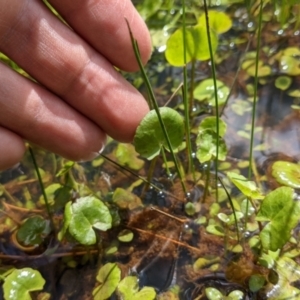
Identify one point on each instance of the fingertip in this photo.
(12, 149)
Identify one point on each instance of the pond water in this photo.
(183, 251)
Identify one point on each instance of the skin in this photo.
(78, 96)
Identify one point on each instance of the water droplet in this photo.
(280, 32)
(250, 25)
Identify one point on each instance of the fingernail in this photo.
(93, 155)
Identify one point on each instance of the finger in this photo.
(60, 60)
(12, 148)
(102, 24)
(40, 117)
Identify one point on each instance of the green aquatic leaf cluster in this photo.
(281, 213)
(85, 215)
(208, 141)
(109, 282)
(197, 47)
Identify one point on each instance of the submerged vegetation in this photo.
(205, 203)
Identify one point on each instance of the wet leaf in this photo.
(250, 67)
(126, 200)
(126, 156)
(213, 294)
(218, 21)
(210, 123)
(205, 91)
(287, 173)
(149, 137)
(33, 231)
(207, 143)
(282, 214)
(128, 289)
(256, 282)
(248, 188)
(289, 272)
(108, 277)
(125, 236)
(190, 208)
(196, 45)
(19, 284)
(283, 82)
(235, 295)
(289, 65)
(86, 214)
(215, 230)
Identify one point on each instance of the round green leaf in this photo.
(205, 91)
(283, 82)
(213, 294)
(174, 50)
(218, 21)
(108, 277)
(287, 173)
(19, 283)
(149, 137)
(197, 46)
(88, 213)
(125, 236)
(33, 231)
(236, 295)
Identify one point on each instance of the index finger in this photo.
(102, 24)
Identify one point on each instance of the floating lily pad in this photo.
(82, 216)
(282, 214)
(196, 39)
(218, 21)
(250, 67)
(287, 173)
(108, 277)
(149, 137)
(33, 231)
(19, 283)
(195, 36)
(283, 82)
(126, 200)
(128, 289)
(125, 236)
(205, 91)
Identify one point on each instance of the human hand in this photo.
(80, 96)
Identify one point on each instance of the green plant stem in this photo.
(165, 161)
(154, 103)
(187, 104)
(254, 105)
(255, 92)
(233, 209)
(213, 70)
(42, 187)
